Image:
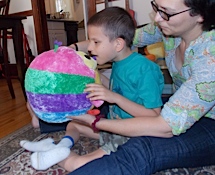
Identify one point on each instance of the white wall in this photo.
(19, 6)
(119, 3)
(142, 9)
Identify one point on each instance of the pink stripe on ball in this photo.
(71, 63)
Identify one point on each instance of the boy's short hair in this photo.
(204, 8)
(116, 23)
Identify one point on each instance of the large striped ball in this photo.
(54, 84)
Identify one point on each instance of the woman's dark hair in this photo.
(205, 8)
(116, 23)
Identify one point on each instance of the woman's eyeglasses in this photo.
(163, 14)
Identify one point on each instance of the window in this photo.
(60, 5)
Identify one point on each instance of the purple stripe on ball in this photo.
(58, 102)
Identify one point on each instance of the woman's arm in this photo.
(146, 35)
(82, 46)
(132, 127)
(141, 126)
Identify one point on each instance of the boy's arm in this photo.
(99, 92)
(135, 109)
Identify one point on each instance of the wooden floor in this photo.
(13, 112)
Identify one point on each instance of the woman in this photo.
(183, 135)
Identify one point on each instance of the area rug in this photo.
(14, 160)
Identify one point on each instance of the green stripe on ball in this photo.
(43, 82)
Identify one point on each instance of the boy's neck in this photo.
(123, 54)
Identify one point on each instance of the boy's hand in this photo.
(99, 92)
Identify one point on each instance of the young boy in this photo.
(135, 88)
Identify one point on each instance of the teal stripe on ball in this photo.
(59, 117)
(44, 82)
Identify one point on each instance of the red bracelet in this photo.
(98, 117)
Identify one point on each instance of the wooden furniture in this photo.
(14, 23)
(64, 30)
(5, 35)
(40, 23)
(4, 9)
(4, 6)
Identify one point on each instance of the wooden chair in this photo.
(5, 35)
(4, 9)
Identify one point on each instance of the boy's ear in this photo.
(120, 44)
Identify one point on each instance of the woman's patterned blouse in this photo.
(194, 83)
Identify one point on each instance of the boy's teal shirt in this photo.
(137, 79)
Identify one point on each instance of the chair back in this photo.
(4, 7)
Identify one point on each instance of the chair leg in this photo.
(6, 65)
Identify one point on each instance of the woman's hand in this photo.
(85, 118)
(99, 92)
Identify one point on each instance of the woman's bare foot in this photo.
(34, 118)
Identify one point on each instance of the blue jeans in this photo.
(147, 155)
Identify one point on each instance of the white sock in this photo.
(42, 145)
(66, 141)
(44, 160)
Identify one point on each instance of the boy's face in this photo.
(100, 45)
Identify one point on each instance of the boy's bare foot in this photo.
(34, 118)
